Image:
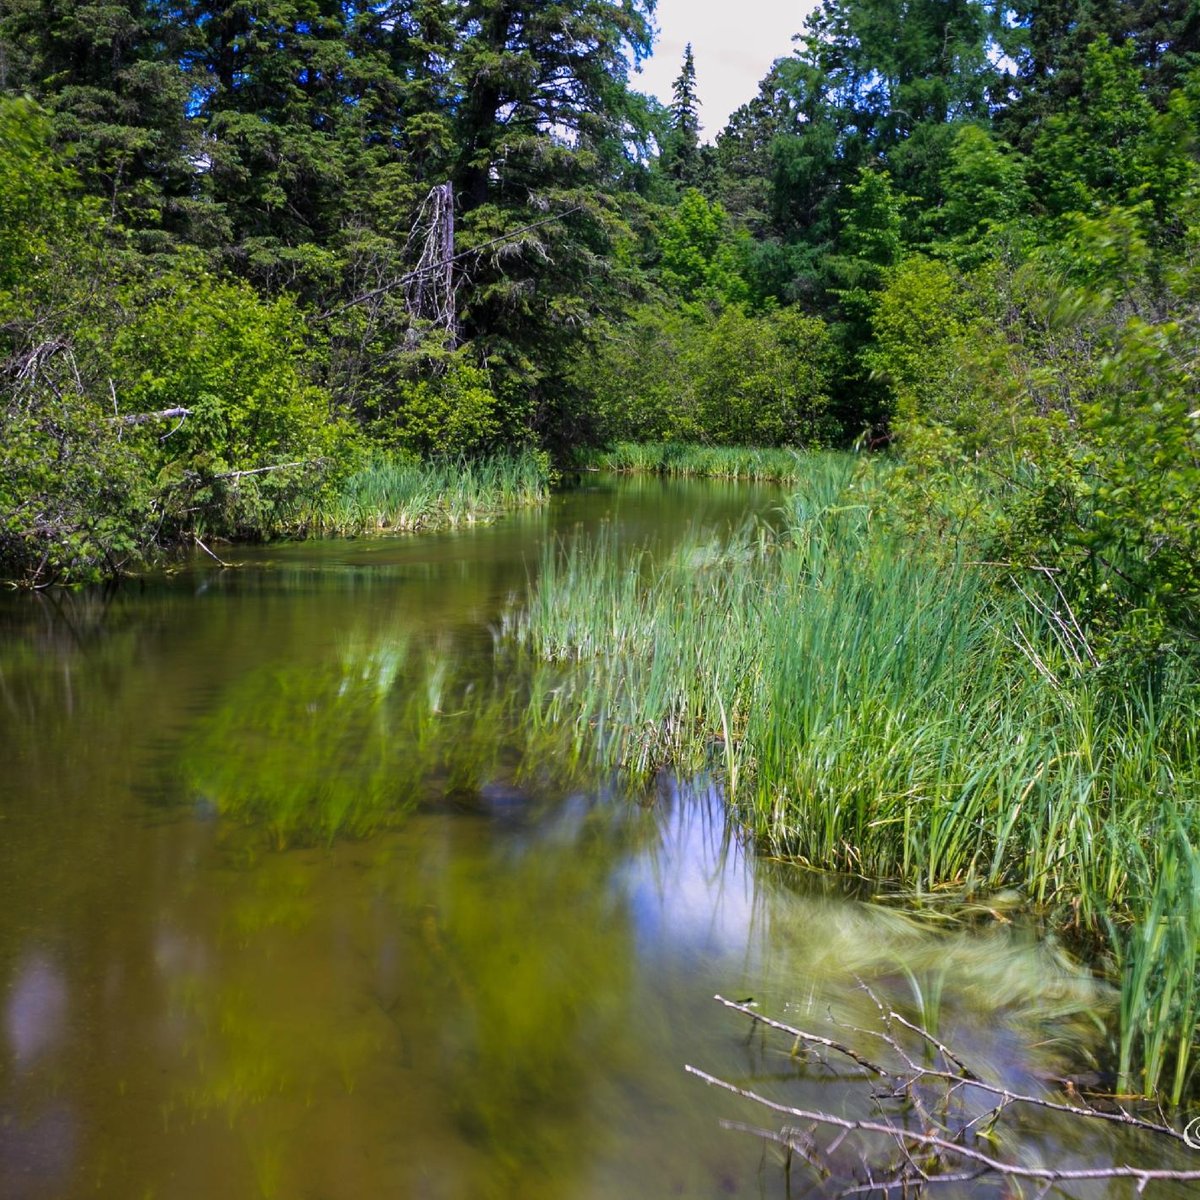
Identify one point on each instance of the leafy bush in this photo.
(237, 365)
(445, 414)
(74, 500)
(727, 379)
(1053, 409)
(93, 345)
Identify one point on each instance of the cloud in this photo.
(734, 46)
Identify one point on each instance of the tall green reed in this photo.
(763, 464)
(397, 493)
(897, 715)
(1160, 988)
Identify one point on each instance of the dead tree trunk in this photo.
(429, 291)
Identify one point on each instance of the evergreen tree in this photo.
(108, 74)
(542, 121)
(681, 154)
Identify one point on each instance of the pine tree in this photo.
(681, 155)
(108, 74)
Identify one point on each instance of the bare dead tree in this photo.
(953, 1138)
(429, 288)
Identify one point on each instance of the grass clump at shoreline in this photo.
(760, 464)
(879, 711)
(397, 493)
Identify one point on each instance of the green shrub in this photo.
(732, 378)
(447, 414)
(237, 364)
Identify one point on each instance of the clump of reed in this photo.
(396, 493)
(901, 717)
(761, 464)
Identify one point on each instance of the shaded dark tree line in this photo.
(292, 142)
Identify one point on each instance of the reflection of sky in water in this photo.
(37, 1150)
(692, 892)
(35, 1011)
(37, 1157)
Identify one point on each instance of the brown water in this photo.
(269, 931)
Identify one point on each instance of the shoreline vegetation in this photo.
(755, 463)
(882, 708)
(387, 493)
(402, 494)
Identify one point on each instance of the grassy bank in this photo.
(715, 462)
(907, 720)
(397, 493)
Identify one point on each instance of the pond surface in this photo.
(288, 912)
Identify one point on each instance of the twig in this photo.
(890, 1015)
(1143, 1175)
(304, 462)
(967, 1078)
(800, 1035)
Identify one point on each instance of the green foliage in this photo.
(985, 194)
(74, 503)
(1089, 154)
(399, 493)
(699, 254)
(871, 243)
(235, 362)
(93, 348)
(450, 410)
(728, 379)
(1070, 410)
(764, 381)
(932, 330)
(40, 207)
(257, 436)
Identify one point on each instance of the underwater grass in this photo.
(883, 712)
(395, 493)
(760, 464)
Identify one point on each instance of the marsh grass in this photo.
(763, 465)
(394, 493)
(903, 717)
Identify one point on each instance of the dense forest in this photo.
(245, 245)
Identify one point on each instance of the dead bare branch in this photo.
(937, 1150)
(936, 1141)
(166, 414)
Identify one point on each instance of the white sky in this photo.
(734, 41)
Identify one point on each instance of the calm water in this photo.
(269, 931)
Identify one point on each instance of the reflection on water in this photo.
(295, 908)
(37, 1002)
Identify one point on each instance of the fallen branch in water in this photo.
(899, 1159)
(210, 554)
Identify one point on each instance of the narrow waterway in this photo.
(267, 931)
